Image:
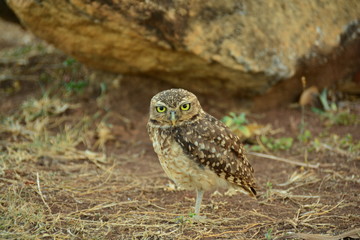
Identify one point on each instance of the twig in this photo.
(310, 214)
(262, 145)
(101, 206)
(337, 150)
(40, 193)
(284, 160)
(245, 229)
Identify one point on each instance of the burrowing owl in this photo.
(196, 150)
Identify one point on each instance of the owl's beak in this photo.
(173, 117)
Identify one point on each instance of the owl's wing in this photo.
(210, 143)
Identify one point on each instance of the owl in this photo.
(196, 151)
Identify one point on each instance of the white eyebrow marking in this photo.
(183, 102)
(160, 103)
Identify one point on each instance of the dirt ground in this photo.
(76, 163)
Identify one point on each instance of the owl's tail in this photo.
(250, 190)
(253, 192)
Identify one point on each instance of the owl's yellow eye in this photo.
(160, 109)
(185, 106)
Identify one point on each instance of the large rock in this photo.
(245, 47)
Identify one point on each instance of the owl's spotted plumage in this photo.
(196, 150)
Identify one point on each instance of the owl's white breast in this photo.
(185, 172)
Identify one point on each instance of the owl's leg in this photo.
(199, 196)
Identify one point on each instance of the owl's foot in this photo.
(198, 218)
(190, 218)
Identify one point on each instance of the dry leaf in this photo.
(308, 96)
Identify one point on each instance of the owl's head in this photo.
(174, 107)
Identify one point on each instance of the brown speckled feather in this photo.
(196, 151)
(210, 143)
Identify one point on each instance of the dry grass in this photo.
(65, 175)
(54, 187)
